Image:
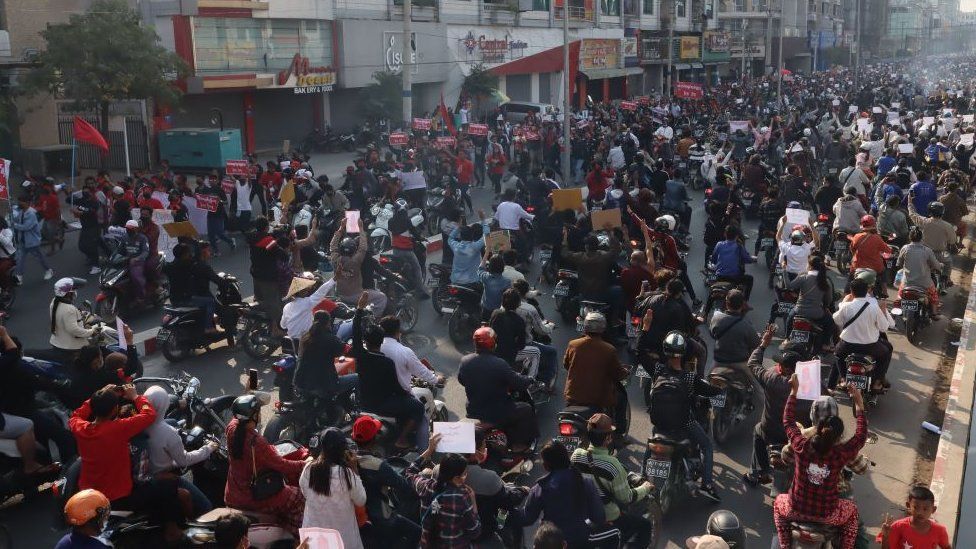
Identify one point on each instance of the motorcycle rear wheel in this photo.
(722, 421)
(256, 344)
(912, 329)
(408, 312)
(278, 429)
(175, 348)
(459, 329)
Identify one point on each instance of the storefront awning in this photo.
(600, 74)
(682, 67)
(697, 66)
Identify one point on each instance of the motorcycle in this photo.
(859, 370)
(587, 307)
(548, 267)
(304, 418)
(116, 286)
(182, 329)
(769, 247)
(572, 419)
(318, 140)
(566, 294)
(842, 251)
(672, 461)
(465, 316)
(400, 300)
(434, 409)
(913, 307)
(891, 260)
(823, 228)
(187, 407)
(806, 331)
(717, 292)
(439, 281)
(734, 405)
(942, 278)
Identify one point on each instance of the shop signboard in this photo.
(652, 48)
(689, 47)
(304, 78)
(599, 53)
(716, 41)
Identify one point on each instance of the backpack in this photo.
(670, 407)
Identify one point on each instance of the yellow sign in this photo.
(690, 47)
(599, 53)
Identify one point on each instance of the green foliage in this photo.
(383, 98)
(102, 56)
(480, 83)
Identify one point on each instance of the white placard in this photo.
(836, 102)
(864, 125)
(893, 117)
(876, 110)
(796, 148)
(968, 118)
(928, 121)
(966, 140)
(352, 221)
(735, 125)
(796, 216)
(949, 123)
(852, 108)
(321, 538)
(905, 148)
(895, 105)
(120, 326)
(808, 374)
(456, 436)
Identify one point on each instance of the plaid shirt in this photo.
(816, 478)
(449, 520)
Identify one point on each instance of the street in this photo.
(894, 423)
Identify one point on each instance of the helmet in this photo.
(727, 526)
(594, 323)
(485, 339)
(245, 406)
(867, 275)
(807, 132)
(674, 344)
(665, 223)
(64, 286)
(85, 506)
(936, 209)
(868, 222)
(797, 237)
(348, 246)
(794, 205)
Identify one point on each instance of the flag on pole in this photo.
(448, 122)
(86, 133)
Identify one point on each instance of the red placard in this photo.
(227, 185)
(421, 123)
(688, 90)
(477, 129)
(398, 138)
(237, 167)
(4, 179)
(643, 99)
(628, 105)
(532, 135)
(207, 202)
(445, 141)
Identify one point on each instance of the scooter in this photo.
(734, 405)
(116, 286)
(672, 461)
(913, 307)
(182, 330)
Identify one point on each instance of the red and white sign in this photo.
(628, 105)
(228, 185)
(207, 202)
(643, 99)
(398, 138)
(4, 179)
(237, 168)
(445, 142)
(532, 135)
(688, 90)
(421, 123)
(477, 129)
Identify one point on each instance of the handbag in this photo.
(266, 483)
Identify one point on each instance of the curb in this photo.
(146, 342)
(949, 467)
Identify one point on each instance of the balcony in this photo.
(232, 4)
(420, 10)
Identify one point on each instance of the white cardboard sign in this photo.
(808, 374)
(456, 436)
(796, 216)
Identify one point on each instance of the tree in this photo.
(103, 56)
(479, 84)
(382, 99)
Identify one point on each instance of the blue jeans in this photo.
(216, 230)
(201, 504)
(21, 256)
(406, 408)
(208, 304)
(698, 434)
(548, 357)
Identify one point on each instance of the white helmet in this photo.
(666, 220)
(64, 286)
(303, 174)
(807, 132)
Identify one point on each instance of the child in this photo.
(917, 530)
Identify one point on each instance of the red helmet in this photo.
(868, 222)
(485, 339)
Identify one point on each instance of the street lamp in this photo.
(745, 26)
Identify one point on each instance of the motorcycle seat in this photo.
(915, 289)
(594, 304)
(582, 412)
(180, 310)
(566, 273)
(722, 285)
(677, 438)
(388, 420)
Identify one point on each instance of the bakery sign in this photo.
(305, 78)
(602, 53)
(493, 50)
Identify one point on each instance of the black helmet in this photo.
(936, 209)
(348, 246)
(726, 525)
(674, 344)
(245, 407)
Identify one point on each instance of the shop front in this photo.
(603, 76)
(652, 55)
(688, 65)
(715, 54)
(272, 78)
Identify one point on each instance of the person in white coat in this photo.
(333, 489)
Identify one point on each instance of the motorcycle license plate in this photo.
(717, 401)
(786, 307)
(657, 468)
(632, 330)
(545, 255)
(560, 291)
(571, 443)
(861, 382)
(800, 336)
(640, 372)
(909, 306)
(163, 336)
(682, 165)
(768, 243)
(840, 246)
(823, 232)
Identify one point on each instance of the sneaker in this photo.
(95, 270)
(756, 479)
(48, 274)
(710, 493)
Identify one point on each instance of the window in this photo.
(540, 5)
(227, 45)
(610, 7)
(740, 5)
(648, 7)
(679, 9)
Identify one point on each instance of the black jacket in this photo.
(487, 380)
(85, 381)
(378, 381)
(510, 331)
(316, 373)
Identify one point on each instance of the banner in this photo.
(643, 99)
(421, 123)
(237, 168)
(477, 129)
(445, 142)
(628, 105)
(398, 138)
(4, 179)
(207, 202)
(688, 90)
(228, 185)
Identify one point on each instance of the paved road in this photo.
(894, 422)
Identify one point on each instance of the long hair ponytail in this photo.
(817, 264)
(829, 431)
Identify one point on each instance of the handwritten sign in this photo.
(567, 199)
(808, 374)
(796, 216)
(352, 221)
(601, 218)
(736, 125)
(864, 125)
(445, 142)
(207, 202)
(320, 538)
(688, 90)
(928, 121)
(852, 108)
(876, 110)
(893, 117)
(4, 179)
(477, 129)
(182, 228)
(120, 327)
(836, 102)
(628, 105)
(237, 168)
(905, 148)
(968, 118)
(498, 241)
(966, 140)
(895, 105)
(421, 123)
(456, 436)
(398, 138)
(643, 99)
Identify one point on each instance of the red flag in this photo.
(448, 120)
(86, 133)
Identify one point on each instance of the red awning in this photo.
(550, 60)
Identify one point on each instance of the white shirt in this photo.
(512, 274)
(508, 215)
(616, 157)
(336, 510)
(796, 256)
(868, 327)
(407, 363)
(296, 316)
(243, 197)
(666, 132)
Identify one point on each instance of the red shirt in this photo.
(867, 249)
(270, 180)
(903, 535)
(465, 170)
(104, 448)
(150, 202)
(49, 206)
(597, 184)
(631, 279)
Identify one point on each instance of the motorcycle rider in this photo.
(488, 382)
(922, 193)
(730, 258)
(405, 239)
(937, 234)
(675, 200)
(189, 283)
(734, 334)
(594, 265)
(135, 246)
(347, 254)
(862, 321)
(868, 249)
(468, 245)
(827, 195)
(68, 330)
(680, 416)
(722, 527)
(537, 333)
(610, 476)
(848, 210)
(316, 378)
(593, 369)
(664, 251)
(795, 254)
(266, 254)
(87, 512)
(770, 211)
(509, 215)
(892, 220)
(917, 261)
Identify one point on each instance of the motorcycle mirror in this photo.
(88, 304)
(79, 282)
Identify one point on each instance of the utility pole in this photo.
(667, 82)
(779, 56)
(567, 91)
(857, 45)
(742, 64)
(769, 37)
(407, 64)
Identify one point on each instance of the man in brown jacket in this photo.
(594, 370)
(955, 208)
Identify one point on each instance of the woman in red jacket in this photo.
(251, 453)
